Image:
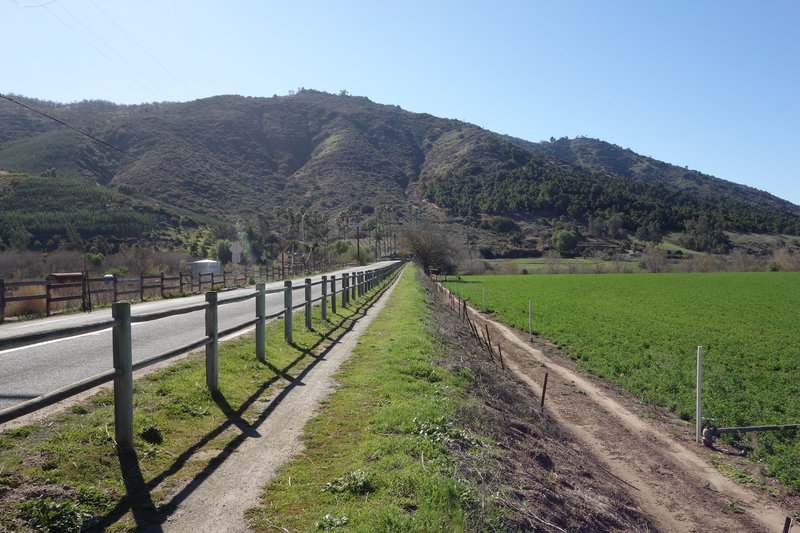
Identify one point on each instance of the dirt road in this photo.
(668, 475)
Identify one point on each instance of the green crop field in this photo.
(642, 331)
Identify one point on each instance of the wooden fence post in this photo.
(333, 293)
(308, 303)
(261, 324)
(123, 381)
(47, 298)
(212, 348)
(345, 290)
(287, 311)
(355, 286)
(116, 295)
(544, 391)
(3, 301)
(324, 297)
(162, 285)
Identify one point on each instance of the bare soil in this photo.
(642, 454)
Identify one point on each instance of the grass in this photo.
(70, 462)
(642, 332)
(376, 457)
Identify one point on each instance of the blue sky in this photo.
(712, 85)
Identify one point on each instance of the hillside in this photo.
(600, 156)
(231, 158)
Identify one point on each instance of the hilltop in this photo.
(229, 159)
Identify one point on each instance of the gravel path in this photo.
(218, 501)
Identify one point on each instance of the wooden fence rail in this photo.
(123, 367)
(90, 292)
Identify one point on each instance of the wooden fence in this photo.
(353, 285)
(62, 291)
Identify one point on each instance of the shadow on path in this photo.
(138, 499)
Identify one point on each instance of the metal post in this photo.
(123, 381)
(261, 324)
(287, 311)
(141, 287)
(324, 297)
(333, 293)
(212, 348)
(308, 304)
(699, 410)
(484, 299)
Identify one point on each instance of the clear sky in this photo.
(712, 85)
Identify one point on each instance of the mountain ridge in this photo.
(240, 158)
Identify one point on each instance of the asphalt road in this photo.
(34, 370)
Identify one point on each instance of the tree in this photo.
(614, 226)
(649, 233)
(224, 254)
(654, 259)
(565, 241)
(19, 238)
(430, 248)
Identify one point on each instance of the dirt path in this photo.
(661, 465)
(218, 501)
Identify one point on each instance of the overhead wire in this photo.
(98, 50)
(142, 48)
(131, 65)
(42, 113)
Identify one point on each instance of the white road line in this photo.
(43, 343)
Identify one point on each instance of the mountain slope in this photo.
(237, 158)
(597, 155)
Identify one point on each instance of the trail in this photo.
(218, 501)
(665, 472)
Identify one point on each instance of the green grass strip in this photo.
(376, 457)
(70, 474)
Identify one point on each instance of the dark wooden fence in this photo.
(81, 291)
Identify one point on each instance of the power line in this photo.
(4, 97)
(98, 50)
(142, 48)
(131, 65)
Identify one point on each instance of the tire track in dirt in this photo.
(666, 477)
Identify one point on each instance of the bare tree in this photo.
(431, 248)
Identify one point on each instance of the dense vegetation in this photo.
(600, 156)
(47, 213)
(540, 188)
(641, 331)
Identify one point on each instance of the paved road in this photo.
(34, 370)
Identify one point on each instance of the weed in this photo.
(353, 483)
(50, 516)
(329, 522)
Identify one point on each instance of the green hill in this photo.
(231, 158)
